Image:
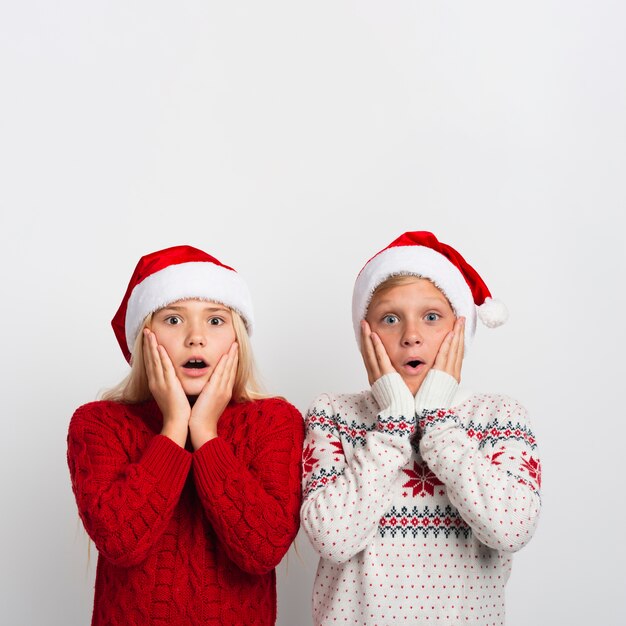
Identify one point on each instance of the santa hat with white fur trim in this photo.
(421, 253)
(177, 273)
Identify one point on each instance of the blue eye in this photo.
(390, 319)
(216, 321)
(432, 317)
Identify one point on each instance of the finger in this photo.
(232, 372)
(460, 350)
(152, 360)
(367, 350)
(230, 375)
(225, 365)
(382, 358)
(368, 353)
(218, 382)
(444, 350)
(454, 347)
(148, 349)
(167, 367)
(219, 370)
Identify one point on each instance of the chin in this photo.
(414, 383)
(194, 389)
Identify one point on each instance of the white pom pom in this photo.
(493, 313)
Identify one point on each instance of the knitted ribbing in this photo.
(186, 538)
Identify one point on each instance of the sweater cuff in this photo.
(392, 395)
(213, 462)
(397, 416)
(166, 461)
(436, 391)
(436, 420)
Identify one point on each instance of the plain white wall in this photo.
(294, 140)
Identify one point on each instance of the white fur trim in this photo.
(493, 313)
(187, 280)
(414, 260)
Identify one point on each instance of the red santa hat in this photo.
(177, 273)
(421, 253)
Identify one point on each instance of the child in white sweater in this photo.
(416, 492)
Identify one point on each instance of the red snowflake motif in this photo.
(338, 446)
(494, 457)
(307, 459)
(533, 467)
(423, 481)
(338, 450)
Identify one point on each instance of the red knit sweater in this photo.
(187, 538)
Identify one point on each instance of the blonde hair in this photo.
(134, 388)
(399, 280)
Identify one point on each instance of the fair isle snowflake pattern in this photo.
(428, 419)
(422, 480)
(494, 432)
(321, 478)
(533, 467)
(308, 460)
(422, 522)
(354, 432)
(495, 457)
(338, 451)
(396, 426)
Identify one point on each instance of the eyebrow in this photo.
(430, 299)
(209, 309)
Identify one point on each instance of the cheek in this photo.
(163, 338)
(440, 334)
(224, 339)
(388, 336)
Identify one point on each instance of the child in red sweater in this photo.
(186, 478)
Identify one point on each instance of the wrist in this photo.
(200, 434)
(177, 432)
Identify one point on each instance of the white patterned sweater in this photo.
(415, 523)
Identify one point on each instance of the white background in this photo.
(293, 140)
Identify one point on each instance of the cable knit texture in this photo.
(417, 529)
(186, 538)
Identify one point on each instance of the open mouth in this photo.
(195, 364)
(414, 363)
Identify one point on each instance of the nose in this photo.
(195, 337)
(411, 336)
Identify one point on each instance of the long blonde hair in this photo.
(134, 388)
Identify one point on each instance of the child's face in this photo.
(195, 334)
(412, 321)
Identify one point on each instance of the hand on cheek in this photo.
(166, 389)
(375, 357)
(449, 359)
(214, 398)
